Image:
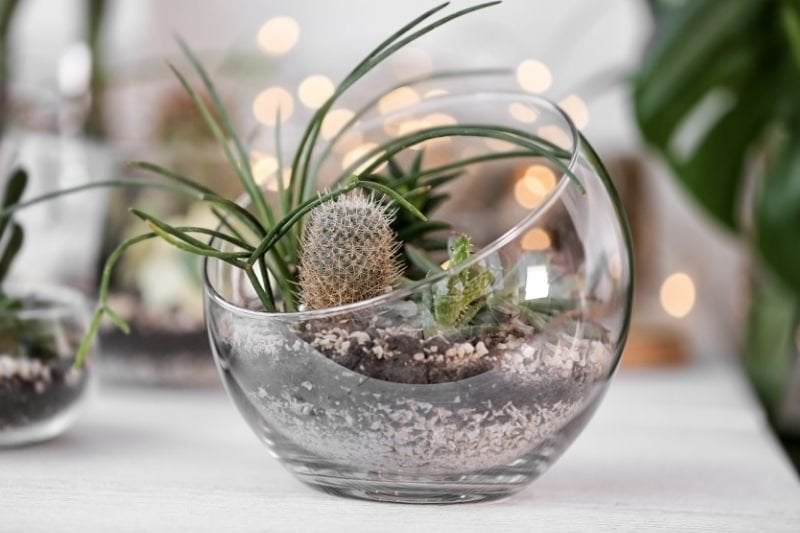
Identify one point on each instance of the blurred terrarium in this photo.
(157, 288)
(383, 344)
(40, 331)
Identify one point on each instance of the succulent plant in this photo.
(349, 252)
(423, 191)
(467, 288)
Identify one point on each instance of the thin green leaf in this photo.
(394, 169)
(157, 169)
(306, 146)
(224, 222)
(431, 244)
(416, 164)
(232, 239)
(102, 306)
(15, 187)
(11, 250)
(263, 291)
(421, 228)
(373, 103)
(394, 195)
(389, 47)
(377, 156)
(282, 195)
(257, 199)
(241, 169)
(134, 184)
(118, 321)
(420, 260)
(280, 229)
(196, 250)
(434, 201)
(207, 195)
(186, 242)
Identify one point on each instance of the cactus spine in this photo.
(349, 252)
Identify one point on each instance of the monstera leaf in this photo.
(778, 214)
(745, 57)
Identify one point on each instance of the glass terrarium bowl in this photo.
(376, 400)
(41, 392)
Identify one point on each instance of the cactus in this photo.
(349, 252)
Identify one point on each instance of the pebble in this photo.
(24, 368)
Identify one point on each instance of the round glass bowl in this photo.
(41, 392)
(386, 399)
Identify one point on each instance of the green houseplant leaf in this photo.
(778, 214)
(742, 50)
(701, 48)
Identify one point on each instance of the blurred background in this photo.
(659, 88)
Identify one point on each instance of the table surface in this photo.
(680, 450)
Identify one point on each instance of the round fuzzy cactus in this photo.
(349, 252)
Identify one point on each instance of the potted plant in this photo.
(383, 352)
(41, 391)
(731, 72)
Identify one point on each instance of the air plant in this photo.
(275, 245)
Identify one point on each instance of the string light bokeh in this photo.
(278, 36)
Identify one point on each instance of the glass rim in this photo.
(478, 256)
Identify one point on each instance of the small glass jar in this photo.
(41, 389)
(372, 400)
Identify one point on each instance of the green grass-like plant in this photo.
(265, 241)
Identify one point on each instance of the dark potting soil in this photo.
(405, 355)
(30, 396)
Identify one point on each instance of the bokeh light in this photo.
(577, 110)
(315, 91)
(523, 112)
(398, 99)
(334, 122)
(534, 76)
(555, 135)
(357, 153)
(278, 35)
(267, 103)
(536, 239)
(534, 186)
(433, 93)
(263, 167)
(677, 294)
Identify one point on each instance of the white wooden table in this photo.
(671, 451)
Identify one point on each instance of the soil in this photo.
(444, 404)
(405, 355)
(32, 391)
